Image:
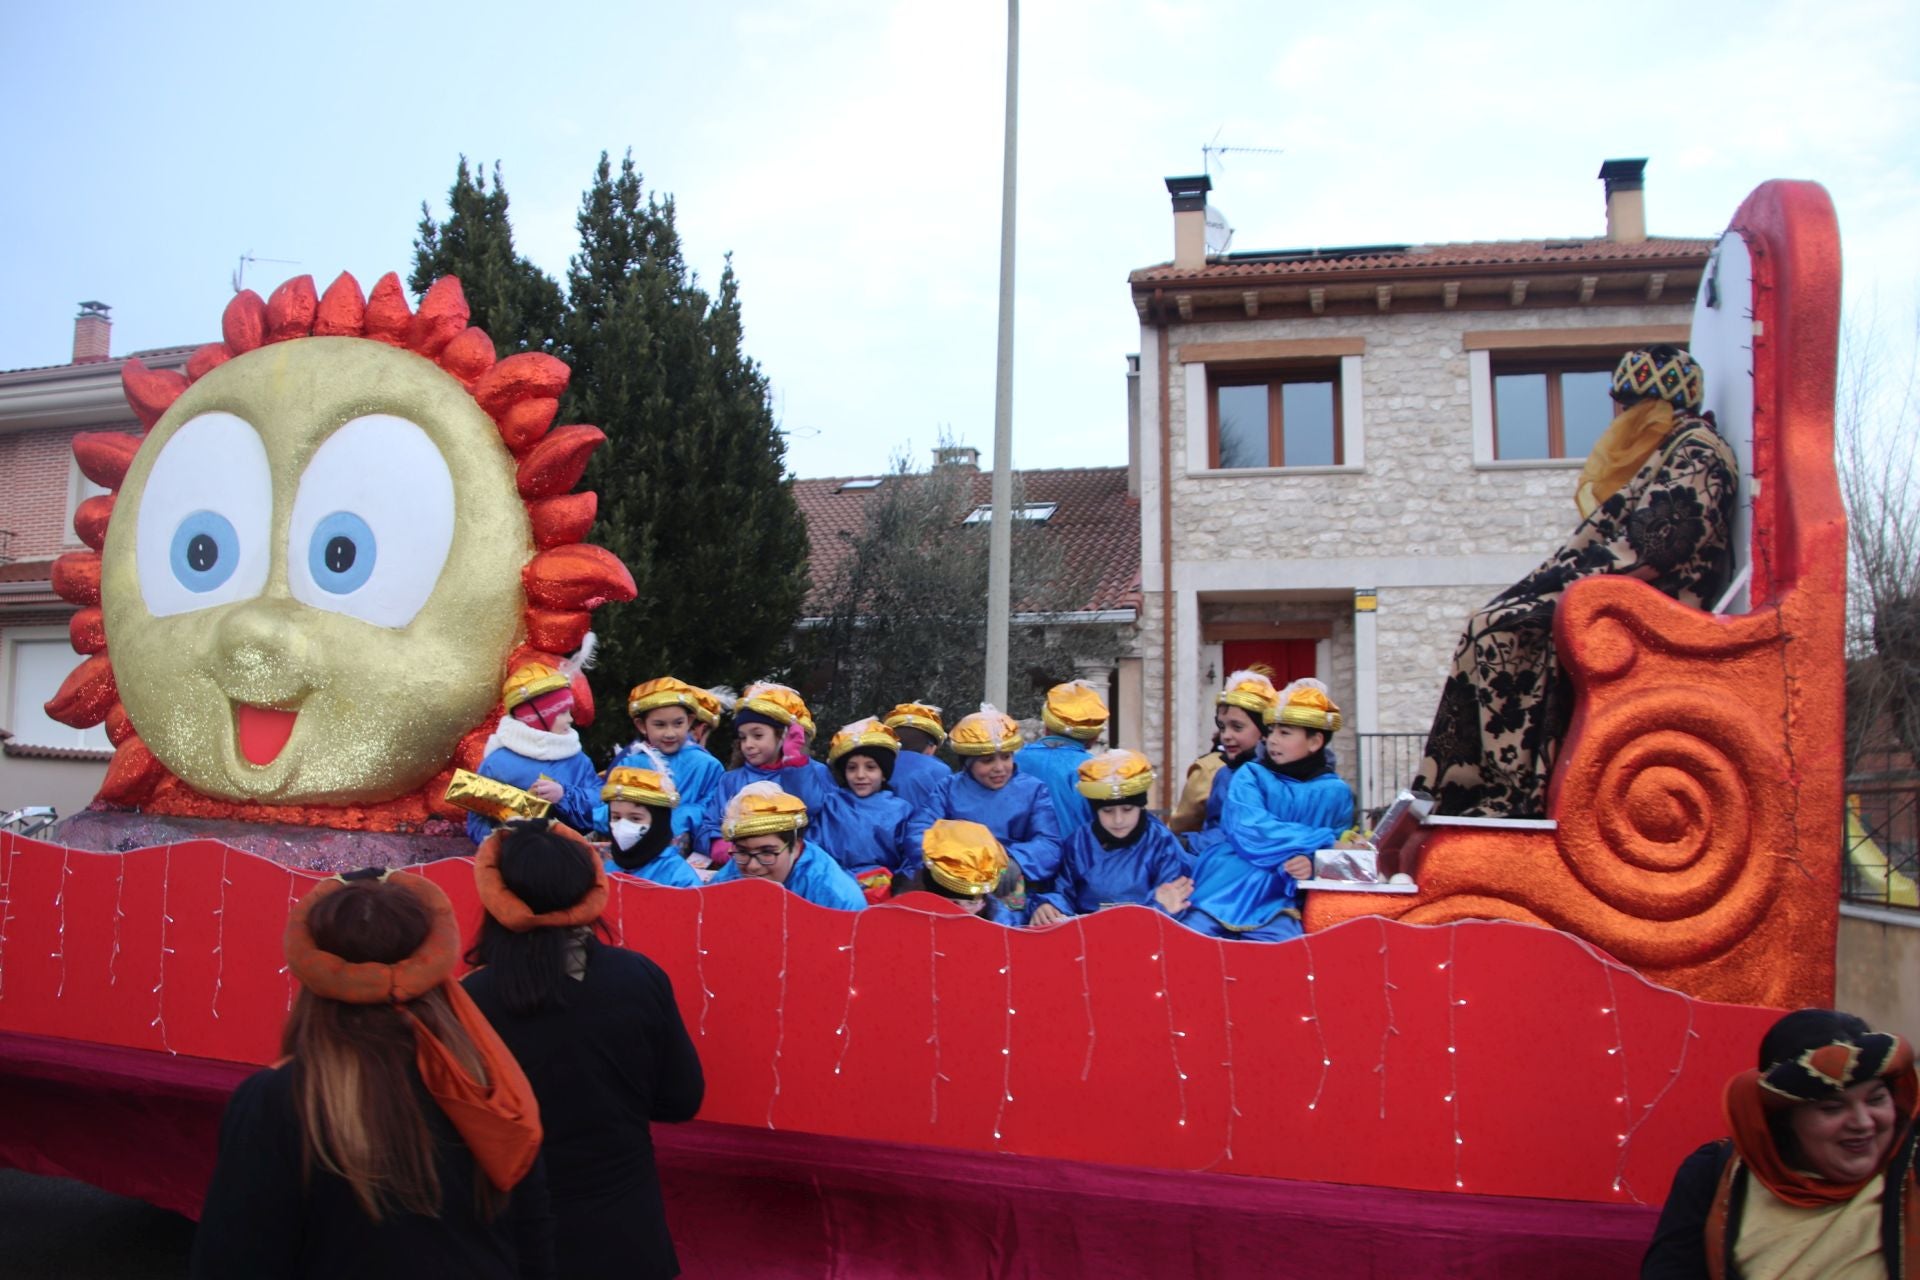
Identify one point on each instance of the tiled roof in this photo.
(1096, 525)
(1372, 259)
(28, 751)
(153, 357)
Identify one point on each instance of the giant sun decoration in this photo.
(344, 524)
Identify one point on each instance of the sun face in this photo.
(275, 582)
(324, 556)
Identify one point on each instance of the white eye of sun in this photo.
(205, 512)
(372, 522)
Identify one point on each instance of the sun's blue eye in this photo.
(204, 551)
(340, 555)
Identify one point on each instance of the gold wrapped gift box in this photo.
(494, 800)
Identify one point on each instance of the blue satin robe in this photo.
(1239, 890)
(1056, 760)
(668, 868)
(579, 787)
(917, 777)
(1093, 876)
(816, 876)
(811, 783)
(1210, 833)
(696, 776)
(1020, 815)
(869, 831)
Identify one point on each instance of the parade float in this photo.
(348, 521)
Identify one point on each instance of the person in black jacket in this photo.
(596, 1028)
(399, 1138)
(1819, 1176)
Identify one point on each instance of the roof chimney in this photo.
(92, 333)
(1190, 220)
(956, 455)
(1626, 200)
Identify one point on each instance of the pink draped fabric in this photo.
(750, 1202)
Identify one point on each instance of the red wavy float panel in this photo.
(1489, 1058)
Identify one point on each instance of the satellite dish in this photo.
(1219, 232)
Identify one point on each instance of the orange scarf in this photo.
(1621, 450)
(1747, 1106)
(498, 1120)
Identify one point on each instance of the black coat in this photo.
(1679, 1247)
(264, 1220)
(614, 1059)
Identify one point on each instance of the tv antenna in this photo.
(240, 272)
(1212, 149)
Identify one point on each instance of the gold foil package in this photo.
(494, 800)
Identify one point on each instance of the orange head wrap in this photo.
(504, 905)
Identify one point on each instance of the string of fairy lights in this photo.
(1635, 1116)
(1452, 1097)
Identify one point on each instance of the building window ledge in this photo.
(1529, 464)
(1237, 473)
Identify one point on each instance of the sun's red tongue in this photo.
(262, 731)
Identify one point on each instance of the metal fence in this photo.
(1387, 762)
(1882, 840)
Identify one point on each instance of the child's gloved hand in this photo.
(793, 748)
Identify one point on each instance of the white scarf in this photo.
(535, 744)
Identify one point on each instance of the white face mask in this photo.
(626, 832)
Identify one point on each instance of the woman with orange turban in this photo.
(1818, 1178)
(398, 1137)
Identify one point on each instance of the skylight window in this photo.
(1034, 512)
(853, 485)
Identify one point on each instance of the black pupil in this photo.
(202, 553)
(340, 553)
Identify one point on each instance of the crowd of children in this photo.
(1024, 834)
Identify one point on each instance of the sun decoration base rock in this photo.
(105, 830)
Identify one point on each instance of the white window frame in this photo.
(79, 489)
(9, 649)
(1480, 348)
(1200, 415)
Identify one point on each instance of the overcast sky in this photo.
(848, 155)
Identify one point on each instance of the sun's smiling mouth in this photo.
(262, 731)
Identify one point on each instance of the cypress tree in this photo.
(518, 305)
(692, 484)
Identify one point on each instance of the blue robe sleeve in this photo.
(1038, 849)
(697, 775)
(1068, 881)
(1266, 839)
(924, 816)
(1167, 860)
(579, 790)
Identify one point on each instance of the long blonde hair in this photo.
(355, 1087)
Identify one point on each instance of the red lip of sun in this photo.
(564, 581)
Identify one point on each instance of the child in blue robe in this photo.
(1278, 812)
(1073, 714)
(1238, 711)
(862, 821)
(990, 790)
(762, 826)
(664, 712)
(536, 748)
(1122, 854)
(640, 803)
(773, 726)
(963, 863)
(917, 772)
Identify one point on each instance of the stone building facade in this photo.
(1437, 402)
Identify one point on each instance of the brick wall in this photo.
(36, 477)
